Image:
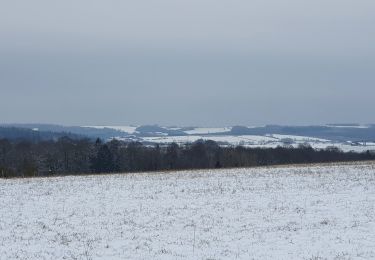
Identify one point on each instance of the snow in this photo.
(291, 212)
(230, 139)
(269, 141)
(299, 138)
(349, 126)
(126, 129)
(208, 130)
(219, 134)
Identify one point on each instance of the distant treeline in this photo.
(82, 156)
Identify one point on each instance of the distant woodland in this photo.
(83, 156)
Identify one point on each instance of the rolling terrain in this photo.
(290, 212)
(347, 137)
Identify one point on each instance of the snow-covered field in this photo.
(230, 139)
(222, 135)
(125, 129)
(208, 130)
(269, 141)
(310, 212)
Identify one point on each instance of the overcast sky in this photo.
(191, 62)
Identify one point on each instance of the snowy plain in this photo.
(290, 212)
(222, 135)
(125, 129)
(269, 141)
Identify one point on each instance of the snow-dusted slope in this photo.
(269, 141)
(208, 130)
(125, 129)
(315, 212)
(225, 136)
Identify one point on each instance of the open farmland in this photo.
(293, 212)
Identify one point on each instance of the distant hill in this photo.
(335, 132)
(352, 136)
(154, 130)
(90, 132)
(34, 135)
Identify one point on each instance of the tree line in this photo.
(83, 156)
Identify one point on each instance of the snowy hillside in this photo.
(319, 137)
(348, 137)
(311, 212)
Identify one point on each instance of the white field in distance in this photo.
(218, 134)
(291, 212)
(125, 129)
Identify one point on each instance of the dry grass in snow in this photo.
(310, 212)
